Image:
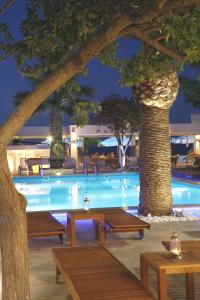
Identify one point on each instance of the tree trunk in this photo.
(57, 150)
(13, 236)
(155, 162)
(154, 100)
(122, 157)
(12, 214)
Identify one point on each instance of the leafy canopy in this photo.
(54, 31)
(119, 114)
(179, 33)
(191, 89)
(71, 99)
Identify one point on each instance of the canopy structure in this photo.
(112, 141)
(183, 140)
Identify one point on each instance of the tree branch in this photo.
(151, 29)
(5, 6)
(134, 31)
(150, 13)
(160, 38)
(164, 8)
(62, 74)
(92, 48)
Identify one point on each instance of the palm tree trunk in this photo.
(13, 238)
(155, 162)
(154, 99)
(57, 145)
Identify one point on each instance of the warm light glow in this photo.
(74, 193)
(176, 251)
(49, 138)
(11, 165)
(58, 173)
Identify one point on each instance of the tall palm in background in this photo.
(72, 100)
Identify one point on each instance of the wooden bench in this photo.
(118, 220)
(93, 273)
(43, 224)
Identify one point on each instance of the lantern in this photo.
(175, 245)
(86, 203)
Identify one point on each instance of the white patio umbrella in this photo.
(183, 140)
(112, 141)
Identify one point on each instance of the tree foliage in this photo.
(6, 40)
(191, 90)
(119, 114)
(179, 33)
(54, 31)
(71, 99)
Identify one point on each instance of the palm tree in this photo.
(72, 100)
(154, 99)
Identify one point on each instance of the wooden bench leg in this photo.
(105, 233)
(61, 237)
(96, 229)
(68, 229)
(141, 234)
(190, 286)
(57, 275)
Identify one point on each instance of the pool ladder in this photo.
(85, 167)
(95, 169)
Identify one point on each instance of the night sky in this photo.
(105, 80)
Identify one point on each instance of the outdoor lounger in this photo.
(93, 273)
(118, 220)
(43, 224)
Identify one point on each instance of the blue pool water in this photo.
(106, 190)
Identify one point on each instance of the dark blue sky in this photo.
(105, 80)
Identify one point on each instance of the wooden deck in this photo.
(43, 224)
(93, 273)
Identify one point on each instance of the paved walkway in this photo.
(124, 246)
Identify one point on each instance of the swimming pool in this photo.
(104, 190)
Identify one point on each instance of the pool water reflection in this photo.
(105, 190)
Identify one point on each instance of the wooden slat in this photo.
(108, 286)
(93, 273)
(85, 260)
(43, 223)
(117, 217)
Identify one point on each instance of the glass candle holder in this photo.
(86, 204)
(175, 245)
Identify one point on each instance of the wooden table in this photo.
(74, 216)
(165, 264)
(185, 245)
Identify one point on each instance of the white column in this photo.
(73, 142)
(137, 149)
(197, 144)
